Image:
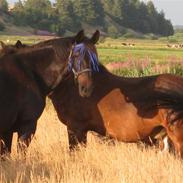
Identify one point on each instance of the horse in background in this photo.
(8, 49)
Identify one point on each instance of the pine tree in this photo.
(19, 14)
(3, 5)
(37, 13)
(71, 14)
(67, 18)
(152, 12)
(89, 11)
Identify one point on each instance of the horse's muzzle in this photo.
(85, 91)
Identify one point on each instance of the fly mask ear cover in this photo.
(81, 48)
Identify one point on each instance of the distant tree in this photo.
(89, 11)
(3, 5)
(113, 31)
(38, 13)
(169, 28)
(152, 12)
(99, 12)
(72, 14)
(118, 11)
(138, 16)
(2, 27)
(165, 27)
(108, 6)
(19, 13)
(142, 18)
(67, 19)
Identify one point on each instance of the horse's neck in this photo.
(118, 81)
(60, 67)
(62, 47)
(46, 67)
(106, 82)
(106, 79)
(54, 73)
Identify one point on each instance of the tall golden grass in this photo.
(48, 160)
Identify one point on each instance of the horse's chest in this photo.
(71, 109)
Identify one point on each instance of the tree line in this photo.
(70, 15)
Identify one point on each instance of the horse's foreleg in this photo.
(23, 141)
(25, 136)
(6, 142)
(76, 137)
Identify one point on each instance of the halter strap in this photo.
(76, 74)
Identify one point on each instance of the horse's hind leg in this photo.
(6, 142)
(76, 137)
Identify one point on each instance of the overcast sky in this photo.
(173, 9)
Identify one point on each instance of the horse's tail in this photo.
(172, 100)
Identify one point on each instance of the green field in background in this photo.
(113, 50)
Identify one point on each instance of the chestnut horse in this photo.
(28, 75)
(126, 109)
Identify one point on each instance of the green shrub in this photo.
(133, 35)
(113, 31)
(151, 36)
(172, 40)
(2, 27)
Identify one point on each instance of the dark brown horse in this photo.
(126, 109)
(28, 75)
(25, 80)
(85, 51)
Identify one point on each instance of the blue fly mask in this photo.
(82, 50)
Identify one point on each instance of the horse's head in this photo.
(83, 60)
(8, 49)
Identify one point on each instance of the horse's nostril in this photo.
(83, 89)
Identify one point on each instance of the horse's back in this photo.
(169, 82)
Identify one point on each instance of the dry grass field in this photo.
(48, 160)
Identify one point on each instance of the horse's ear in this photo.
(79, 36)
(2, 45)
(19, 44)
(94, 39)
